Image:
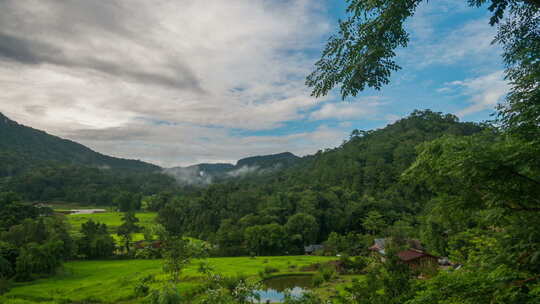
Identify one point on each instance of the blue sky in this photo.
(184, 82)
(432, 84)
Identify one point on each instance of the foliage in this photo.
(332, 191)
(176, 256)
(19, 150)
(169, 294)
(113, 281)
(304, 226)
(361, 53)
(129, 226)
(142, 287)
(13, 211)
(96, 242)
(34, 247)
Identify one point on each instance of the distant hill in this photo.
(23, 148)
(265, 161)
(338, 187)
(204, 174)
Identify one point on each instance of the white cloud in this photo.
(348, 110)
(484, 92)
(435, 43)
(160, 76)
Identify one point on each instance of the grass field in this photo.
(111, 219)
(113, 281)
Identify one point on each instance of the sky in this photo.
(180, 82)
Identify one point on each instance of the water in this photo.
(275, 288)
(87, 211)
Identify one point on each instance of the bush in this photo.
(352, 265)
(168, 295)
(327, 272)
(141, 287)
(148, 253)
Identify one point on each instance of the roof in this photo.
(413, 254)
(378, 245)
(312, 248)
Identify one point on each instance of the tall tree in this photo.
(128, 227)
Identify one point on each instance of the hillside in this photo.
(23, 148)
(336, 188)
(205, 174)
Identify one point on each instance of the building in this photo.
(311, 249)
(415, 256)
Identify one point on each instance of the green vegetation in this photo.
(113, 220)
(469, 191)
(113, 281)
(19, 151)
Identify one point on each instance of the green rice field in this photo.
(113, 281)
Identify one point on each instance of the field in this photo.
(111, 219)
(113, 281)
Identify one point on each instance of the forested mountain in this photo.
(43, 167)
(268, 161)
(23, 148)
(331, 191)
(205, 174)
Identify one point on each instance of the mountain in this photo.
(204, 174)
(23, 148)
(337, 187)
(266, 161)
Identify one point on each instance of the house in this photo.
(415, 256)
(311, 249)
(147, 244)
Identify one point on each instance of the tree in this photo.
(303, 225)
(125, 201)
(129, 226)
(96, 241)
(374, 222)
(177, 254)
(171, 217)
(265, 239)
(486, 195)
(13, 212)
(361, 54)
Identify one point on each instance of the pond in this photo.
(275, 288)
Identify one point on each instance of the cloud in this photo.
(484, 92)
(434, 42)
(165, 81)
(345, 110)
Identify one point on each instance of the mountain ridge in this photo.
(23, 148)
(207, 173)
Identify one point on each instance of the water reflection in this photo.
(275, 288)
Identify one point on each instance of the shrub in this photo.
(327, 272)
(141, 287)
(168, 295)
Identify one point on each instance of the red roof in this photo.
(412, 254)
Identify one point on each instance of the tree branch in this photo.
(515, 173)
